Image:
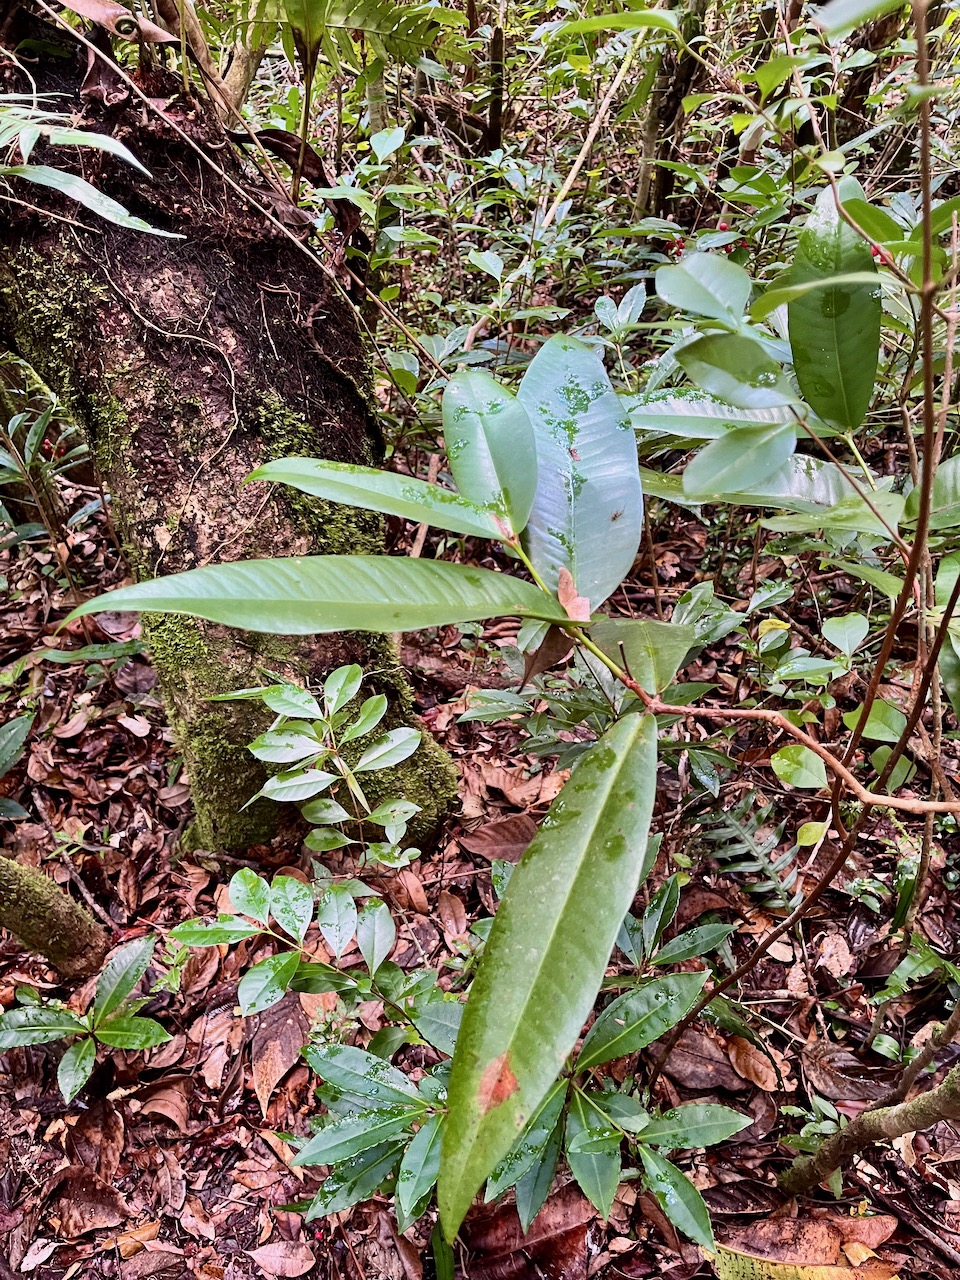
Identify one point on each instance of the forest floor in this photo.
(171, 1163)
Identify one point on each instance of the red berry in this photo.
(875, 250)
(723, 226)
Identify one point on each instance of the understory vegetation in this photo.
(480, 662)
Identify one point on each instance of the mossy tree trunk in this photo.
(189, 362)
(48, 921)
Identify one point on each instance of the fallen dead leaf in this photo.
(505, 840)
(834, 955)
(283, 1258)
(84, 1202)
(281, 1033)
(453, 918)
(768, 1069)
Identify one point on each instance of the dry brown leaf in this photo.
(418, 899)
(284, 1258)
(453, 917)
(85, 1202)
(504, 840)
(131, 1242)
(758, 1066)
(699, 1061)
(834, 955)
(96, 1140)
(281, 1033)
(196, 1221)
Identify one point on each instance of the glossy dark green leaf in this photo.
(13, 735)
(126, 1031)
(835, 330)
(75, 1067)
(546, 955)
(738, 370)
(532, 1143)
(355, 1180)
(265, 984)
(347, 1136)
(699, 941)
(386, 491)
(418, 1170)
(595, 1164)
(588, 511)
(695, 1124)
(438, 1020)
(639, 1017)
(490, 446)
(362, 1075)
(678, 1198)
(120, 975)
(335, 593)
(37, 1025)
(533, 1188)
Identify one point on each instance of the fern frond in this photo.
(745, 844)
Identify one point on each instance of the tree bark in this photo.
(189, 362)
(48, 921)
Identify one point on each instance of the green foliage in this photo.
(111, 1020)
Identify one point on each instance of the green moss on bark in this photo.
(48, 921)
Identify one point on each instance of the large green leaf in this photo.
(77, 188)
(13, 735)
(385, 491)
(745, 456)
(834, 330)
(637, 1018)
(658, 19)
(840, 17)
(736, 369)
(588, 511)
(594, 1160)
(37, 1024)
(678, 1197)
(653, 651)
(490, 446)
(335, 593)
(691, 414)
(944, 499)
(706, 285)
(120, 975)
(546, 954)
(695, 1124)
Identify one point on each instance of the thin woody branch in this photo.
(882, 1125)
